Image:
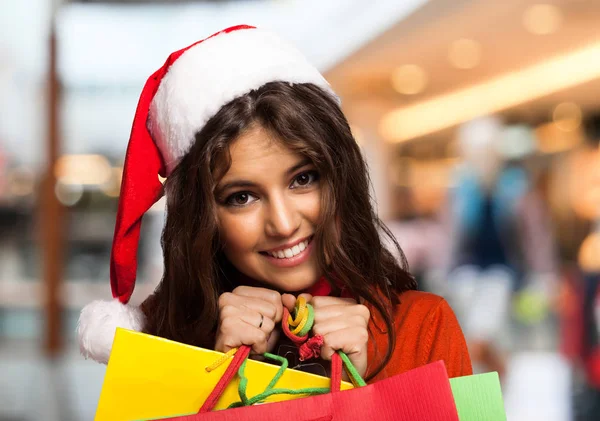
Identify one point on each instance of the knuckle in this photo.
(268, 325)
(261, 337)
(227, 324)
(227, 311)
(316, 302)
(272, 313)
(363, 336)
(273, 297)
(363, 311)
(239, 290)
(327, 352)
(358, 321)
(224, 299)
(327, 340)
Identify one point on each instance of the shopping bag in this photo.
(420, 394)
(148, 376)
(478, 397)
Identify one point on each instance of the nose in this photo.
(282, 217)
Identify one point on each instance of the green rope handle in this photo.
(309, 323)
(352, 371)
(270, 390)
(245, 401)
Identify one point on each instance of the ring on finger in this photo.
(262, 319)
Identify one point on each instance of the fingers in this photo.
(336, 311)
(235, 332)
(254, 319)
(262, 294)
(330, 301)
(343, 324)
(248, 316)
(289, 301)
(309, 298)
(327, 326)
(252, 305)
(352, 341)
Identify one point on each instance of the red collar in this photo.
(323, 288)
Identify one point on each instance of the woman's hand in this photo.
(248, 316)
(343, 324)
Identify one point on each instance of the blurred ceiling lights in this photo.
(409, 79)
(489, 97)
(112, 187)
(464, 53)
(551, 139)
(83, 170)
(542, 19)
(517, 141)
(68, 194)
(567, 116)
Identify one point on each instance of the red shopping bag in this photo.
(422, 394)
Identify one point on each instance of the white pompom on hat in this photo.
(175, 104)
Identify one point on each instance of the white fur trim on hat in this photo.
(98, 323)
(213, 73)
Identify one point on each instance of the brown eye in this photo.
(305, 179)
(240, 199)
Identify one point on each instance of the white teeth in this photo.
(290, 252)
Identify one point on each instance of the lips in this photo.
(289, 252)
(300, 253)
(291, 256)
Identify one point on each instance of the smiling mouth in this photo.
(289, 253)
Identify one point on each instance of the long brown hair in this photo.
(309, 121)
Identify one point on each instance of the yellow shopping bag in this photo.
(151, 377)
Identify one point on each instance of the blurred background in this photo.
(480, 121)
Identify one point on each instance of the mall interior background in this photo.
(465, 110)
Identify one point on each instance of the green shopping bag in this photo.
(478, 397)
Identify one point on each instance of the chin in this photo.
(294, 286)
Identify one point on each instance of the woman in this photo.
(267, 198)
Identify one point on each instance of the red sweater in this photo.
(426, 331)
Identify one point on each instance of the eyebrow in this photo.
(246, 183)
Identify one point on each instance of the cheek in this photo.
(311, 207)
(239, 232)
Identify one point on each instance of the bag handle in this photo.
(297, 329)
(339, 361)
(239, 357)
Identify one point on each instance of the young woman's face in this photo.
(268, 206)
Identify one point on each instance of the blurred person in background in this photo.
(500, 234)
(580, 300)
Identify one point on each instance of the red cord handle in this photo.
(238, 359)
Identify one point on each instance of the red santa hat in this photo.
(175, 104)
